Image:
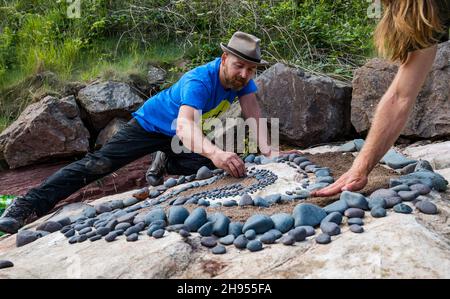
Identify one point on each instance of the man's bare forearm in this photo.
(389, 120)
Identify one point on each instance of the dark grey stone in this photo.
(355, 200)
(130, 201)
(49, 226)
(354, 213)
(240, 242)
(95, 238)
(103, 231)
(268, 238)
(69, 233)
(169, 183)
(208, 241)
(206, 229)
(298, 233)
(157, 234)
(335, 217)
(73, 240)
(337, 206)
(254, 245)
(227, 240)
(378, 212)
(356, 228)
(220, 227)
(25, 237)
(261, 202)
(310, 231)
(91, 234)
(111, 237)
(402, 187)
(427, 207)
(235, 228)
(128, 217)
(82, 238)
(392, 201)
(204, 173)
(123, 226)
(250, 234)
(196, 219)
(85, 230)
(177, 215)
(184, 233)
(116, 204)
(65, 221)
(323, 239)
(377, 201)
(287, 240)
(6, 264)
(219, 249)
(308, 214)
(330, 228)
(154, 215)
(420, 188)
(246, 200)
(403, 209)
(408, 195)
(259, 223)
(352, 221)
(118, 232)
(283, 222)
(230, 203)
(89, 212)
(103, 208)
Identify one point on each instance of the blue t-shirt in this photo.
(199, 88)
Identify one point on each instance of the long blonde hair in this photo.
(406, 25)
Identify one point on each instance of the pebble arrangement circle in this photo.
(120, 219)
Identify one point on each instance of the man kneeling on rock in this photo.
(207, 90)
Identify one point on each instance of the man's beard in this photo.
(234, 83)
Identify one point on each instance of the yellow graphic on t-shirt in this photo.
(214, 113)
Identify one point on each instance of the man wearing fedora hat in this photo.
(206, 90)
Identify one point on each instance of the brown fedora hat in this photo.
(246, 47)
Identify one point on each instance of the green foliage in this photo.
(113, 37)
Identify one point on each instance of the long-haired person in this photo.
(408, 33)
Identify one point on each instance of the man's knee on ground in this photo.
(98, 165)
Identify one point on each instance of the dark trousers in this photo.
(128, 144)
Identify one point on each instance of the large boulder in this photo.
(47, 129)
(430, 116)
(104, 101)
(311, 109)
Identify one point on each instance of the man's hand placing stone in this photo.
(352, 180)
(230, 162)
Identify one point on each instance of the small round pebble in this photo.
(208, 242)
(5, 264)
(357, 221)
(287, 240)
(219, 249)
(132, 237)
(184, 233)
(111, 237)
(323, 239)
(330, 228)
(427, 207)
(157, 234)
(240, 242)
(356, 228)
(403, 209)
(378, 212)
(250, 234)
(254, 245)
(354, 213)
(227, 240)
(95, 238)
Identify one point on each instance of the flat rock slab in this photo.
(387, 249)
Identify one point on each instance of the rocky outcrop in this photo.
(311, 109)
(431, 114)
(47, 129)
(106, 100)
(113, 126)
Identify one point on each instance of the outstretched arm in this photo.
(390, 118)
